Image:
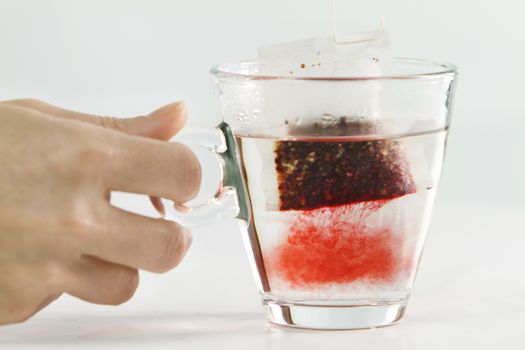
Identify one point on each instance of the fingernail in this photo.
(172, 109)
(188, 236)
(182, 208)
(158, 205)
(162, 123)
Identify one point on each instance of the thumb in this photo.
(160, 124)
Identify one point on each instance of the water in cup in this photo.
(339, 215)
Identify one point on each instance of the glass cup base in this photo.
(333, 317)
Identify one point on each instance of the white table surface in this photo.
(470, 294)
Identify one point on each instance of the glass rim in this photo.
(438, 70)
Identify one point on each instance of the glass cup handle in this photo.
(230, 200)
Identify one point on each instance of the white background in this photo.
(128, 57)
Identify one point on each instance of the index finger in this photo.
(146, 166)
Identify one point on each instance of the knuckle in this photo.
(53, 273)
(189, 174)
(13, 313)
(20, 317)
(174, 247)
(128, 282)
(112, 123)
(82, 161)
(21, 313)
(78, 220)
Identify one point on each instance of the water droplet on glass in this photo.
(256, 95)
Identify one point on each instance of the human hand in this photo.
(58, 231)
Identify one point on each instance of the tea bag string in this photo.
(365, 36)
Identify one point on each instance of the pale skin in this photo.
(58, 230)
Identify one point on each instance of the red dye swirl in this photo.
(332, 245)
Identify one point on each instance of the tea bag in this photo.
(313, 174)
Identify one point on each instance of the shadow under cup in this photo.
(341, 174)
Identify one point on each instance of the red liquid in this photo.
(332, 251)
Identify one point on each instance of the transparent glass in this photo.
(341, 174)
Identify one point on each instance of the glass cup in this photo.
(332, 180)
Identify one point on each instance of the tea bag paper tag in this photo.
(363, 54)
